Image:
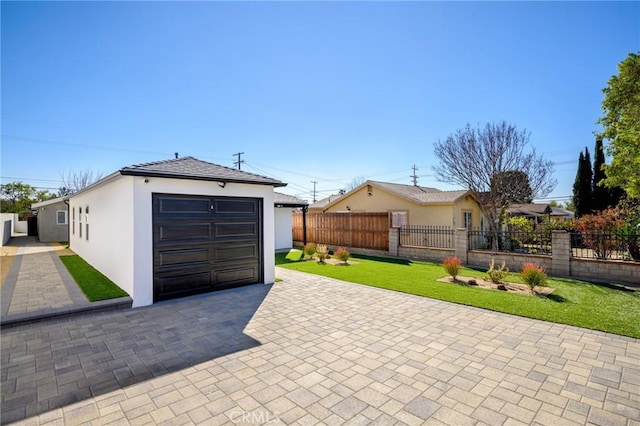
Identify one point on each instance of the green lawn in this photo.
(580, 303)
(92, 283)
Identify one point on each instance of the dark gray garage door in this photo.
(201, 244)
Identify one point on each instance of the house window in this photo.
(86, 224)
(398, 219)
(73, 221)
(80, 221)
(466, 220)
(61, 217)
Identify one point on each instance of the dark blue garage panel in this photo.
(202, 244)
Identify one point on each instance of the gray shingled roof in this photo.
(421, 194)
(324, 202)
(287, 200)
(192, 168)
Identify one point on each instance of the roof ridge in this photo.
(152, 163)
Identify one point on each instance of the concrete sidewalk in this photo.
(39, 286)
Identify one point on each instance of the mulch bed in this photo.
(509, 287)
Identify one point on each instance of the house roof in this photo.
(192, 168)
(419, 194)
(48, 202)
(529, 209)
(324, 202)
(557, 211)
(416, 194)
(285, 200)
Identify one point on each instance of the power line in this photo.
(238, 162)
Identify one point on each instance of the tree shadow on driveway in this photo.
(51, 364)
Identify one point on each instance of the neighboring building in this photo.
(52, 220)
(177, 227)
(408, 204)
(539, 212)
(284, 205)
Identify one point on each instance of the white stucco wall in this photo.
(109, 248)
(284, 228)
(121, 233)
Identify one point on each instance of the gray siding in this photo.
(48, 228)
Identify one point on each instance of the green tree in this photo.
(16, 197)
(582, 185)
(603, 196)
(600, 194)
(621, 126)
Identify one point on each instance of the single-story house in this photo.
(538, 211)
(52, 220)
(408, 204)
(178, 227)
(284, 205)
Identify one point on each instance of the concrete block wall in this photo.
(425, 253)
(514, 261)
(559, 264)
(606, 270)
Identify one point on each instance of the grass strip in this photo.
(92, 283)
(596, 306)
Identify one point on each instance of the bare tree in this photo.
(476, 158)
(355, 182)
(74, 181)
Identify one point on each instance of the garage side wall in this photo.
(49, 230)
(108, 244)
(284, 228)
(143, 224)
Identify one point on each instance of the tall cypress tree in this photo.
(582, 186)
(601, 195)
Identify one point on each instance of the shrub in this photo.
(309, 249)
(533, 275)
(322, 252)
(598, 230)
(342, 254)
(452, 266)
(497, 275)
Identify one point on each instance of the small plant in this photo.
(309, 249)
(497, 275)
(452, 266)
(322, 252)
(533, 275)
(342, 254)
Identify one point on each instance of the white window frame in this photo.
(66, 217)
(467, 223)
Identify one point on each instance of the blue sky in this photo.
(309, 91)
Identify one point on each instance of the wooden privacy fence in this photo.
(357, 230)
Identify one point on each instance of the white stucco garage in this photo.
(176, 227)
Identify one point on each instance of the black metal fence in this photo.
(613, 246)
(523, 242)
(427, 236)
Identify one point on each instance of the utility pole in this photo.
(314, 189)
(414, 176)
(238, 162)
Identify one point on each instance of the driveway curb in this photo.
(100, 306)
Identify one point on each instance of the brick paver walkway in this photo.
(38, 281)
(312, 350)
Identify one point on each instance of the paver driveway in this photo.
(312, 350)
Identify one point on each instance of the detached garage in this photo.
(175, 228)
